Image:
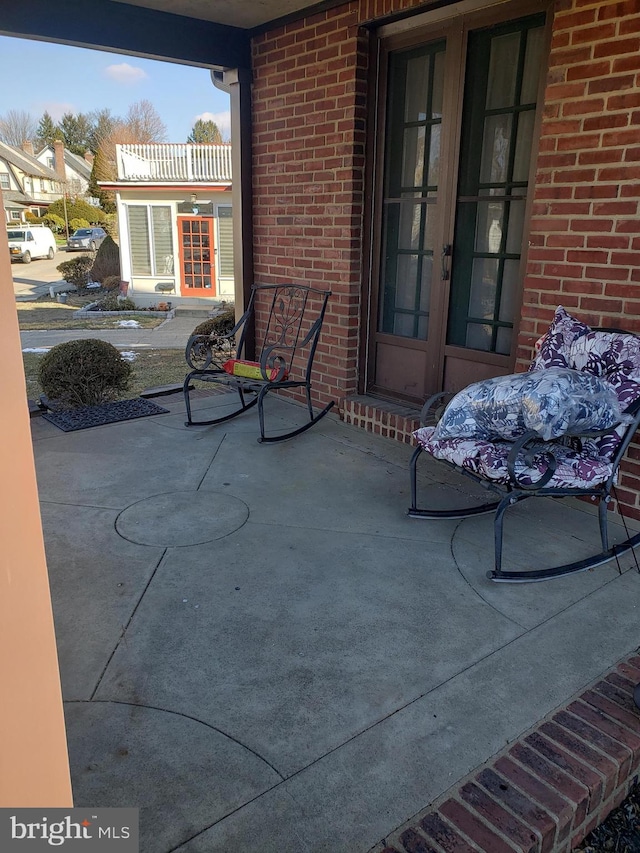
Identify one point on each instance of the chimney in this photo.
(27, 147)
(88, 156)
(58, 154)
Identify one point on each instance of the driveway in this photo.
(33, 280)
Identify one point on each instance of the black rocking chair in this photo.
(551, 461)
(218, 359)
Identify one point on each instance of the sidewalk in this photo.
(171, 334)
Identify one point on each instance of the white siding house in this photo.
(174, 218)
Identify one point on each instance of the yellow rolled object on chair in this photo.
(250, 370)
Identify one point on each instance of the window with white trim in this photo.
(150, 239)
(4, 181)
(225, 241)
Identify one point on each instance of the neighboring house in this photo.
(175, 225)
(74, 170)
(26, 184)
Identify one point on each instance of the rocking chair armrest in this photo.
(200, 351)
(269, 363)
(431, 404)
(520, 446)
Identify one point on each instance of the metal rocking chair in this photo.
(550, 460)
(216, 359)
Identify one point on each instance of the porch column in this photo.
(237, 83)
(35, 765)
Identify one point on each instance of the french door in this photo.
(460, 117)
(197, 256)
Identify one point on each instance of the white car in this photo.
(31, 241)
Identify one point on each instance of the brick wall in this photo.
(585, 230)
(310, 108)
(309, 99)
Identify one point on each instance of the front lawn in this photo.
(151, 369)
(48, 316)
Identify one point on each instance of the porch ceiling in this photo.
(209, 33)
(246, 14)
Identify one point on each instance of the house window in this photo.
(14, 215)
(51, 163)
(225, 242)
(151, 239)
(4, 181)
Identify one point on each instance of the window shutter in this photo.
(139, 236)
(162, 240)
(225, 242)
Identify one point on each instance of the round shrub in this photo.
(83, 373)
(76, 271)
(220, 325)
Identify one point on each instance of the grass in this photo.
(150, 369)
(47, 315)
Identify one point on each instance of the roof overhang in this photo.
(125, 28)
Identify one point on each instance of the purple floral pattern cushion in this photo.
(577, 470)
(553, 347)
(553, 402)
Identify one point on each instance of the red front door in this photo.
(197, 256)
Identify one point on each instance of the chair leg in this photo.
(602, 519)
(413, 476)
(313, 419)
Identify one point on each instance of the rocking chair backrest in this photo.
(611, 354)
(293, 323)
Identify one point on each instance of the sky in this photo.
(41, 76)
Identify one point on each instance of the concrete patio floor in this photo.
(263, 653)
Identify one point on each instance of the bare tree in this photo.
(17, 126)
(144, 123)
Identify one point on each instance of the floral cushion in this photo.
(553, 402)
(488, 459)
(552, 350)
(614, 356)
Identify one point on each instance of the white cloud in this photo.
(125, 73)
(223, 120)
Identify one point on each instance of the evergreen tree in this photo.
(47, 131)
(205, 131)
(76, 132)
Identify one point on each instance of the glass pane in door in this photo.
(411, 185)
(503, 69)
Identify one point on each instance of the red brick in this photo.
(473, 827)
(551, 801)
(522, 837)
(549, 773)
(444, 834)
(607, 767)
(620, 697)
(415, 843)
(529, 813)
(575, 768)
(613, 48)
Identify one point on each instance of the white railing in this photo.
(168, 162)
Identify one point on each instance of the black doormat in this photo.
(84, 417)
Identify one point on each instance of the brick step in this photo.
(390, 420)
(549, 790)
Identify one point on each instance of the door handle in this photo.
(446, 253)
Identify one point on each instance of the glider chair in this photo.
(294, 316)
(559, 430)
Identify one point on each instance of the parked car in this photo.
(86, 238)
(28, 242)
